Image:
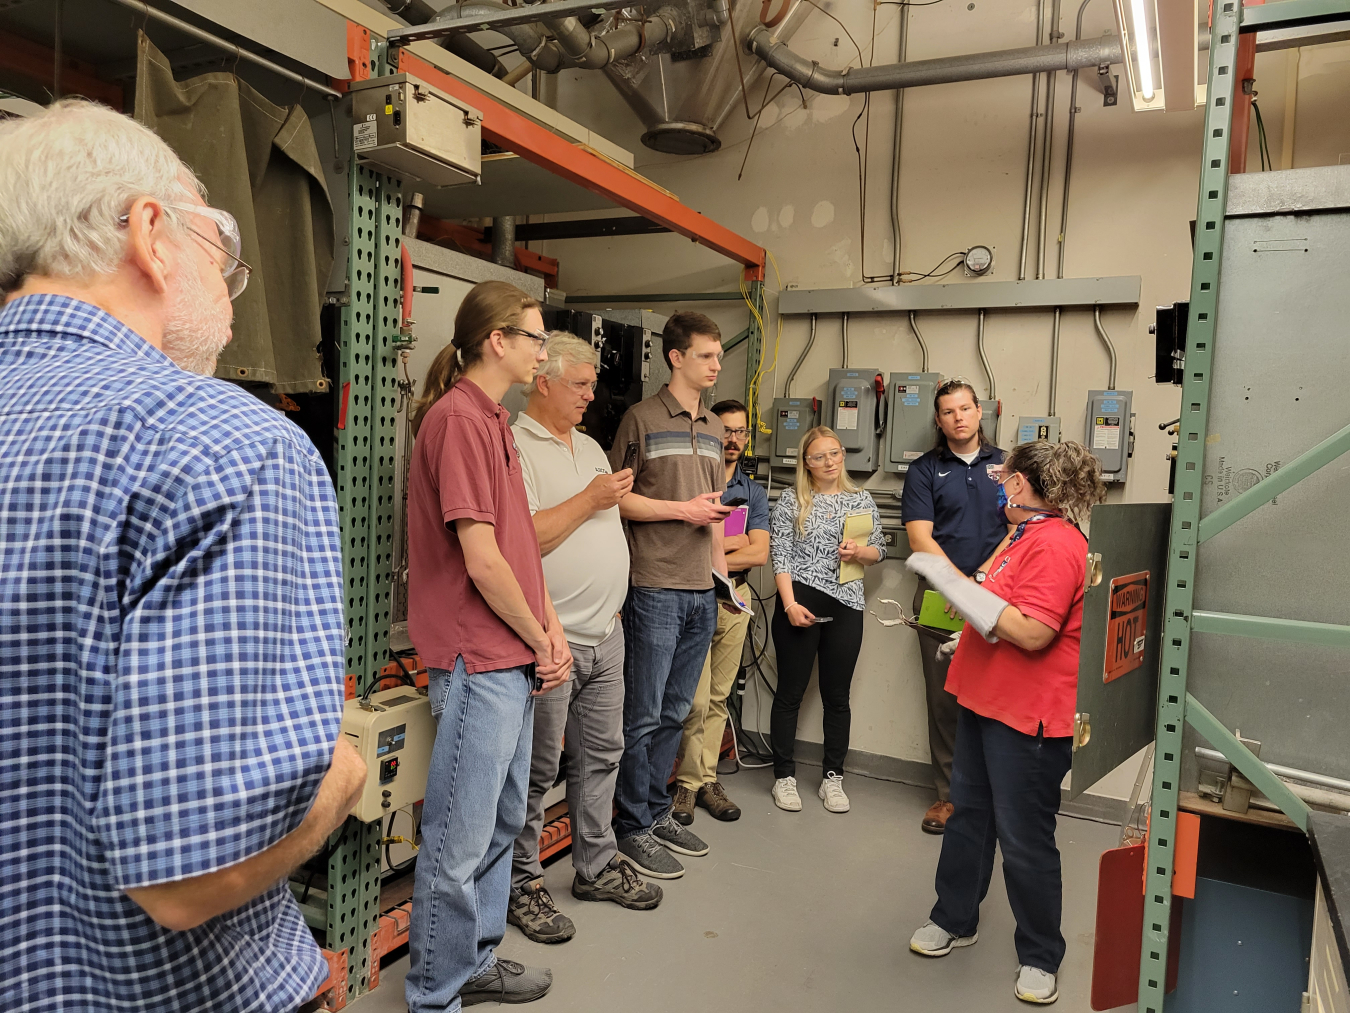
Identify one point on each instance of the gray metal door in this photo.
(1122, 628)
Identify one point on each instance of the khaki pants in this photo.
(707, 720)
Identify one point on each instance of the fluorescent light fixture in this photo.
(1142, 49)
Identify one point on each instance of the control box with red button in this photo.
(394, 733)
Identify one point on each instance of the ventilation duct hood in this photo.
(683, 98)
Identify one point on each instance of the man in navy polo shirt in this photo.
(950, 508)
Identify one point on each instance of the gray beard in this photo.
(195, 330)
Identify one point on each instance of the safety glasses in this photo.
(233, 270)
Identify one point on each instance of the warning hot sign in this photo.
(1128, 612)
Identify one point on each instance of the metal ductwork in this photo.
(542, 52)
(774, 51)
(419, 12)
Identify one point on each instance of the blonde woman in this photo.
(817, 616)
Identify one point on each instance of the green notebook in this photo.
(934, 613)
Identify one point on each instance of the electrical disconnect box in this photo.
(910, 428)
(1110, 431)
(394, 733)
(989, 420)
(1037, 427)
(853, 410)
(793, 417)
(410, 128)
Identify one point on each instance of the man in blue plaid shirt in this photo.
(171, 620)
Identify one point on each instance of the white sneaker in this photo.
(1035, 985)
(932, 940)
(785, 794)
(832, 793)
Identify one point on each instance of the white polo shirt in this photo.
(588, 573)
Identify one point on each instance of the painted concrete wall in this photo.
(962, 182)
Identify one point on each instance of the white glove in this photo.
(977, 606)
(946, 650)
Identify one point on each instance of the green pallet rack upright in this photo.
(1175, 706)
(368, 330)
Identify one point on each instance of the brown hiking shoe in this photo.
(534, 913)
(683, 810)
(713, 797)
(935, 819)
(619, 882)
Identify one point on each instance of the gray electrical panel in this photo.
(851, 411)
(1037, 427)
(1109, 431)
(792, 418)
(989, 421)
(911, 430)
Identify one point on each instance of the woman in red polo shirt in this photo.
(1017, 696)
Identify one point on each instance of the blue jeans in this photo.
(1005, 788)
(668, 633)
(474, 808)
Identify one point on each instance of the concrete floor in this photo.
(806, 911)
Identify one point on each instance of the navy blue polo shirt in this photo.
(756, 501)
(961, 500)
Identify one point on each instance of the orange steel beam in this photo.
(1240, 131)
(38, 63)
(507, 128)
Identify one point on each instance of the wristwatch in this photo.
(979, 576)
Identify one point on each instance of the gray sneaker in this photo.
(932, 940)
(1036, 986)
(678, 838)
(618, 882)
(507, 981)
(534, 913)
(644, 853)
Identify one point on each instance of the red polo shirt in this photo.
(465, 464)
(1042, 574)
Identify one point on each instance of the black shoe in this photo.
(507, 981)
(677, 838)
(534, 913)
(621, 884)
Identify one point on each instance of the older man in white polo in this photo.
(574, 499)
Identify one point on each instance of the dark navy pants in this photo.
(1005, 789)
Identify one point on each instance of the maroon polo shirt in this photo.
(465, 464)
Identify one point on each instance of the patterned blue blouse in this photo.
(814, 560)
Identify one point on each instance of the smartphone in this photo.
(538, 684)
(823, 619)
(630, 456)
(735, 501)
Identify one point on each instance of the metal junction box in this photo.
(1110, 427)
(410, 128)
(792, 418)
(910, 428)
(851, 411)
(989, 421)
(1031, 428)
(395, 737)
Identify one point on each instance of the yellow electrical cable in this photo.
(753, 388)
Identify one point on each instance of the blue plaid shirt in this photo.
(171, 657)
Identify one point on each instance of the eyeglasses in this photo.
(739, 433)
(235, 271)
(540, 337)
(825, 455)
(578, 387)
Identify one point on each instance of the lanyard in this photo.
(1022, 528)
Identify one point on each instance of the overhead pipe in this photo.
(845, 362)
(787, 387)
(1031, 148)
(918, 73)
(923, 346)
(504, 240)
(895, 164)
(1054, 364)
(1047, 145)
(419, 12)
(1106, 340)
(529, 40)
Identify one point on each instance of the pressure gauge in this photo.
(979, 259)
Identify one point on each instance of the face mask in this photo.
(1002, 496)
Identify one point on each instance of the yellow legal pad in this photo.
(858, 527)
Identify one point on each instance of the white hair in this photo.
(66, 176)
(564, 349)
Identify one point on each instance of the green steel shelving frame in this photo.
(368, 329)
(1176, 707)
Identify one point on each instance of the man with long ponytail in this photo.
(482, 620)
